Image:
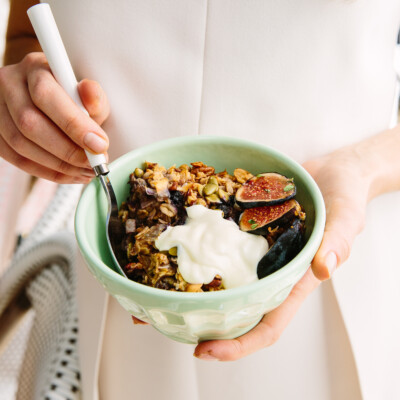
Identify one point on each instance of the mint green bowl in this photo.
(194, 317)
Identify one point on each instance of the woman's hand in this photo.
(42, 131)
(345, 181)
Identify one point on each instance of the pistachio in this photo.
(288, 188)
(209, 189)
(200, 189)
(213, 198)
(138, 172)
(173, 251)
(223, 195)
(213, 180)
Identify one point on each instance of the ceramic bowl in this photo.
(194, 317)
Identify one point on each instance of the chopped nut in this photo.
(215, 283)
(242, 175)
(229, 187)
(156, 200)
(192, 199)
(201, 202)
(138, 172)
(147, 174)
(161, 186)
(185, 187)
(194, 287)
(173, 251)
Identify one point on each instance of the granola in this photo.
(158, 197)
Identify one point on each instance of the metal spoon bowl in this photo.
(114, 226)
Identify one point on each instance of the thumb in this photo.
(343, 224)
(94, 100)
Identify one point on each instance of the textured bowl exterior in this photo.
(194, 317)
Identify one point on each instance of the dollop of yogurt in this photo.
(210, 245)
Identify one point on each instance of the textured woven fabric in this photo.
(12, 357)
(50, 366)
(46, 342)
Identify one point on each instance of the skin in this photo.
(42, 132)
(348, 178)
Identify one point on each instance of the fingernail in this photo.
(95, 143)
(206, 356)
(88, 173)
(331, 262)
(82, 180)
(138, 321)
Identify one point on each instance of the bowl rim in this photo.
(307, 253)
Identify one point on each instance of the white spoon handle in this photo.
(50, 40)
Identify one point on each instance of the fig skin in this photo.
(258, 220)
(286, 247)
(265, 189)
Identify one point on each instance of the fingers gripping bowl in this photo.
(193, 317)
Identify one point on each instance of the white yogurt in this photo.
(210, 245)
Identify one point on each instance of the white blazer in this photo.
(302, 76)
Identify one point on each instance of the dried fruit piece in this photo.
(286, 247)
(130, 226)
(165, 282)
(215, 284)
(265, 189)
(259, 219)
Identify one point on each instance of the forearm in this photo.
(20, 38)
(380, 156)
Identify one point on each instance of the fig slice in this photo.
(258, 219)
(265, 189)
(286, 247)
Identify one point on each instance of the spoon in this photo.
(46, 30)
